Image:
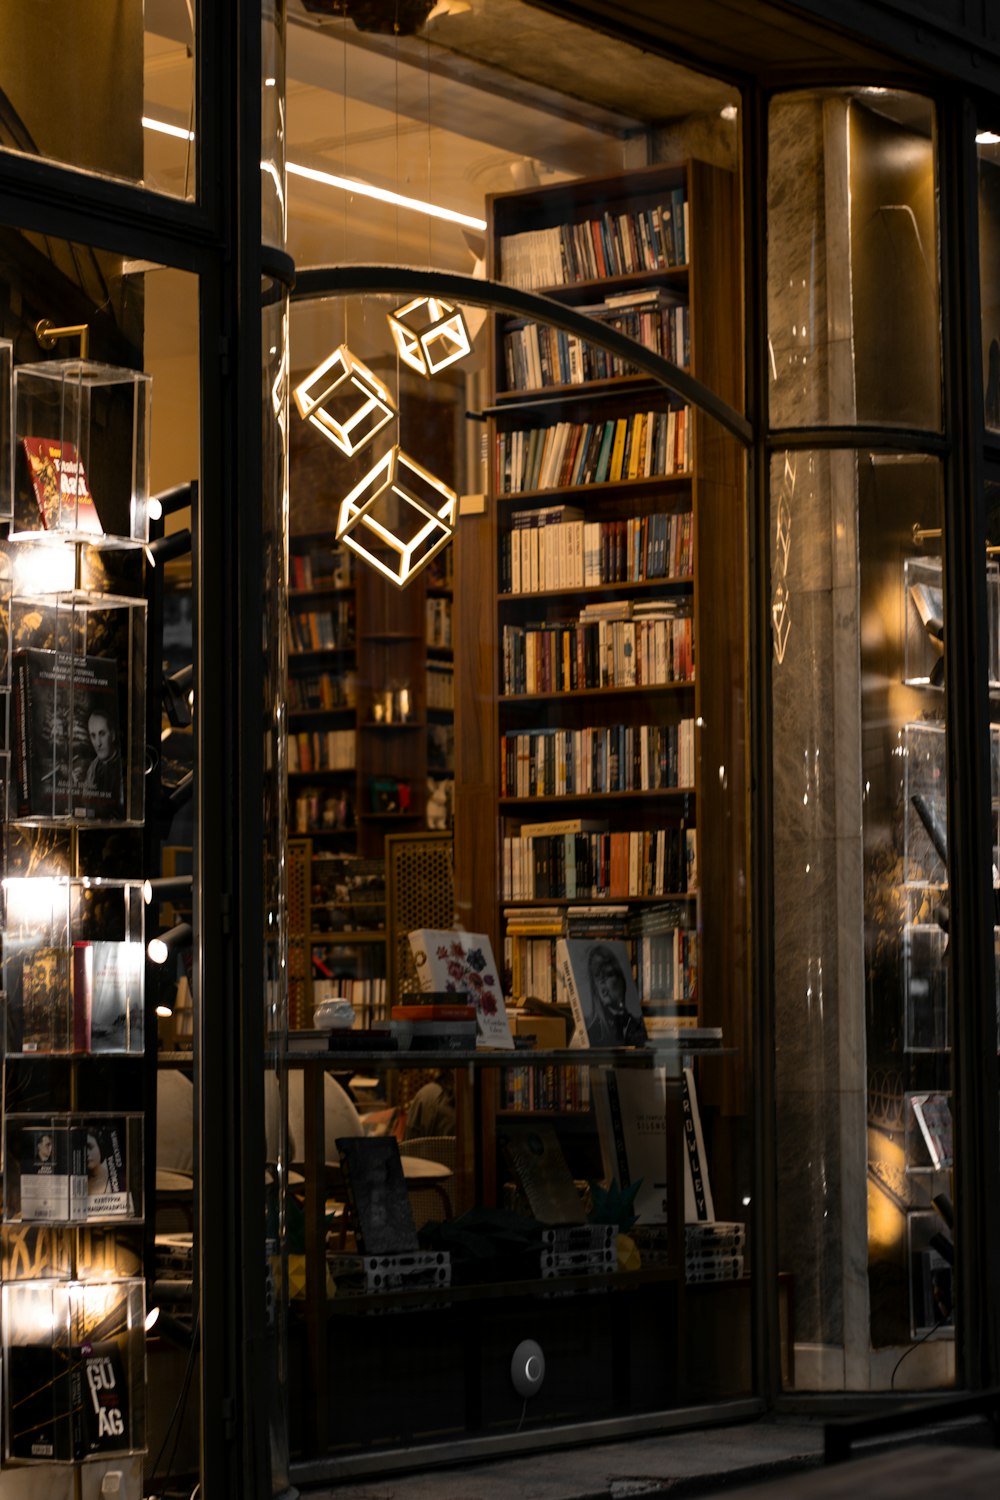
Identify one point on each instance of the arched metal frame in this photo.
(453, 286)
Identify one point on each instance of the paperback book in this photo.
(462, 964)
(534, 1155)
(377, 1195)
(55, 480)
(107, 996)
(99, 1169)
(38, 997)
(68, 756)
(596, 980)
(43, 1158)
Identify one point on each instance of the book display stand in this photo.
(76, 490)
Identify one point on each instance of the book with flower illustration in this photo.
(462, 963)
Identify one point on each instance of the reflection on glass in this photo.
(861, 916)
(988, 146)
(125, 104)
(853, 296)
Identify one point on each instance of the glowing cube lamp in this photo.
(429, 334)
(398, 517)
(329, 399)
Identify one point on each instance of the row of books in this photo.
(567, 455)
(322, 750)
(555, 548)
(537, 355)
(440, 682)
(607, 758)
(643, 239)
(320, 810)
(665, 970)
(321, 567)
(637, 863)
(322, 629)
(74, 997)
(533, 1087)
(71, 1167)
(599, 653)
(322, 690)
(438, 621)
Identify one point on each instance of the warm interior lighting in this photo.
(345, 401)
(162, 128)
(398, 517)
(987, 138)
(159, 948)
(385, 195)
(164, 1012)
(429, 334)
(345, 184)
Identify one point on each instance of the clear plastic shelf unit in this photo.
(81, 452)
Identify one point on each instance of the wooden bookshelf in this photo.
(701, 480)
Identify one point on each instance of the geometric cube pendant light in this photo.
(345, 401)
(429, 334)
(398, 517)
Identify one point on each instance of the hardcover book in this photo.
(597, 981)
(376, 1193)
(536, 1158)
(58, 483)
(67, 746)
(462, 963)
(43, 1157)
(99, 1167)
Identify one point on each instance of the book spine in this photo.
(83, 994)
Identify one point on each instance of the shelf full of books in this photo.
(74, 938)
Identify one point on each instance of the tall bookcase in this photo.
(578, 530)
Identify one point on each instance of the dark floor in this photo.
(779, 1457)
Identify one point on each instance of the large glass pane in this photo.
(854, 321)
(861, 917)
(449, 831)
(124, 105)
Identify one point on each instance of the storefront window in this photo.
(854, 319)
(124, 108)
(859, 754)
(509, 766)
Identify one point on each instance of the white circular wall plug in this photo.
(527, 1368)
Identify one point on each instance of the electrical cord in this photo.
(176, 1416)
(922, 1339)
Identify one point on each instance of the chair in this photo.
(174, 1151)
(430, 1201)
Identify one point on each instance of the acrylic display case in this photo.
(923, 594)
(81, 452)
(73, 1169)
(928, 1132)
(932, 1280)
(77, 719)
(74, 1370)
(925, 839)
(74, 966)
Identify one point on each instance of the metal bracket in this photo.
(48, 336)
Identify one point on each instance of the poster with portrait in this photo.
(68, 753)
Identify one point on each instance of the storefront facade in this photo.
(833, 835)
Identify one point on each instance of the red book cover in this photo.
(433, 1012)
(60, 486)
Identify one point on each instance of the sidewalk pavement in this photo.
(774, 1458)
